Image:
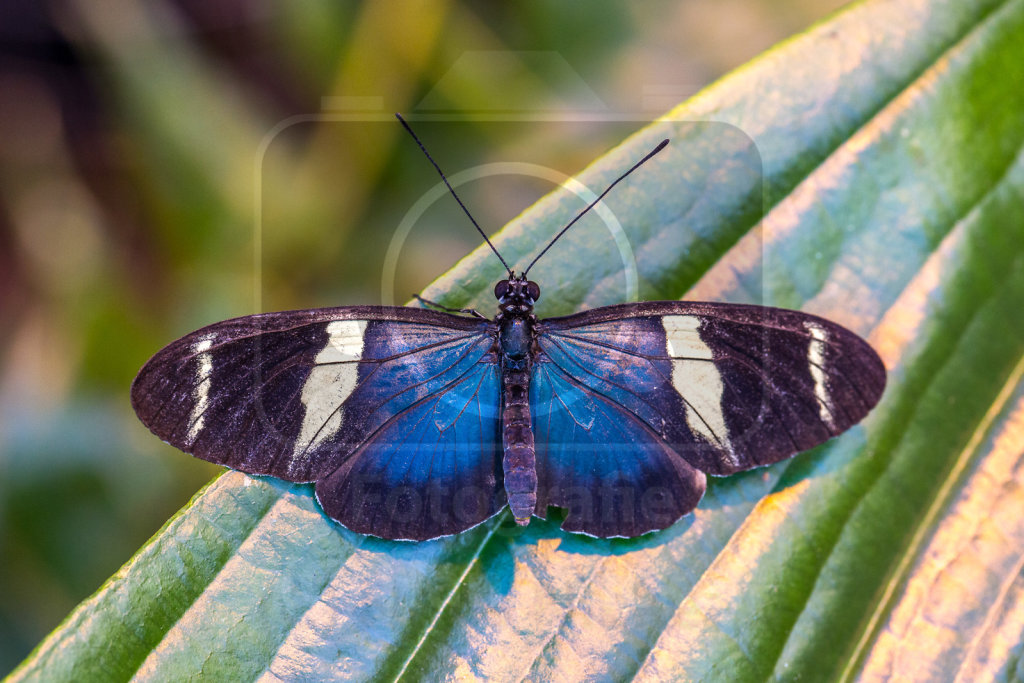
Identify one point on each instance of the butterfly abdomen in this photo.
(520, 459)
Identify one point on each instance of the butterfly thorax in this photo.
(516, 321)
(516, 339)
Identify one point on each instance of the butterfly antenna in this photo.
(452, 190)
(661, 146)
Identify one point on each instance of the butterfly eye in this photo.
(533, 290)
(501, 289)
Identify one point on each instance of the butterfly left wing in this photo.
(388, 409)
(431, 470)
(721, 387)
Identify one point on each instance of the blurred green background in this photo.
(167, 166)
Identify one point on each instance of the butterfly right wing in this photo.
(629, 401)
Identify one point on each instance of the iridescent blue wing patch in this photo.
(607, 467)
(430, 470)
(388, 409)
(632, 398)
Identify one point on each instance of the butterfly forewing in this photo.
(727, 387)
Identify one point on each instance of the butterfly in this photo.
(417, 423)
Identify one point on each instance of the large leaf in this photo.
(888, 196)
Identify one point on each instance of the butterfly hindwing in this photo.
(613, 473)
(728, 387)
(395, 397)
(431, 470)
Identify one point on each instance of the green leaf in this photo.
(870, 171)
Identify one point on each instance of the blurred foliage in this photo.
(148, 153)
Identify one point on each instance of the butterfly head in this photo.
(516, 291)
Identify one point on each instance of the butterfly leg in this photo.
(470, 311)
